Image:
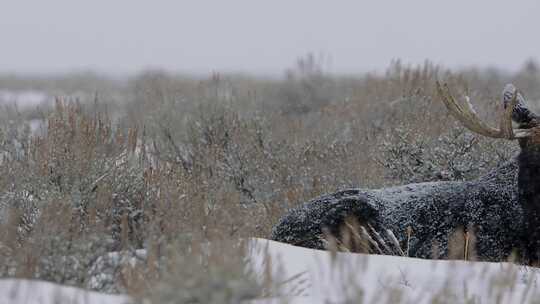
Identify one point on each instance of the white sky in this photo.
(124, 36)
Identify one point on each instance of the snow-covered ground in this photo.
(323, 277)
(37, 292)
(376, 278)
(24, 99)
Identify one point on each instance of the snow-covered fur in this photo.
(433, 211)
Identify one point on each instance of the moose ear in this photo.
(520, 114)
(508, 93)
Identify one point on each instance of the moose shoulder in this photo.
(501, 207)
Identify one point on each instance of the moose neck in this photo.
(528, 184)
(529, 198)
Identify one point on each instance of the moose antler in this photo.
(466, 114)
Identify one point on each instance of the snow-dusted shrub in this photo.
(408, 156)
(81, 160)
(69, 195)
(307, 87)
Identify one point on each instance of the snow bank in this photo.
(13, 291)
(378, 278)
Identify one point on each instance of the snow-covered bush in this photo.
(409, 157)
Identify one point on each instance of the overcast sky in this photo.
(125, 36)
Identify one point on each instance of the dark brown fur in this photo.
(529, 194)
(529, 182)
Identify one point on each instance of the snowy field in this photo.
(323, 277)
(390, 279)
(24, 99)
(37, 292)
